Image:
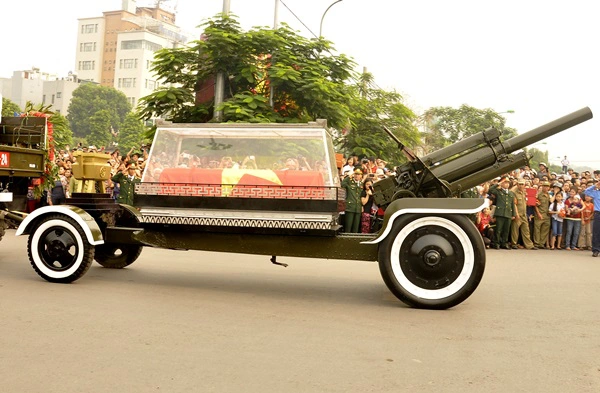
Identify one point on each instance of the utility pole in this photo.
(220, 81)
(275, 27)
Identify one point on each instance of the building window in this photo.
(132, 44)
(87, 47)
(131, 101)
(128, 63)
(53, 98)
(44, 99)
(87, 65)
(126, 82)
(150, 84)
(58, 94)
(88, 29)
(139, 44)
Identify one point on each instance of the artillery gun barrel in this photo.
(514, 161)
(481, 138)
(479, 159)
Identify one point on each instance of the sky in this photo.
(538, 59)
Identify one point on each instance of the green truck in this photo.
(228, 188)
(22, 158)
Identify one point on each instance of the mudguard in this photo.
(426, 206)
(88, 224)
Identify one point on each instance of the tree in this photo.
(89, 99)
(371, 109)
(99, 125)
(63, 136)
(446, 125)
(308, 83)
(131, 134)
(9, 108)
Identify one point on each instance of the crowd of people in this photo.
(362, 215)
(125, 172)
(541, 210)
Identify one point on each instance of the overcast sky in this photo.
(538, 58)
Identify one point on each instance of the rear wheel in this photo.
(117, 256)
(58, 249)
(433, 262)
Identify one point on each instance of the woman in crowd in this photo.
(557, 213)
(485, 224)
(366, 198)
(573, 208)
(585, 236)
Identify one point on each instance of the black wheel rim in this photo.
(432, 257)
(58, 249)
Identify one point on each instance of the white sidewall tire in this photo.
(465, 239)
(35, 239)
(468, 263)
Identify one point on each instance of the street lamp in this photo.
(323, 17)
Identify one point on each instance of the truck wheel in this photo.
(117, 256)
(433, 262)
(58, 249)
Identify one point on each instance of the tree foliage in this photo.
(99, 125)
(9, 108)
(307, 82)
(371, 109)
(447, 125)
(89, 99)
(63, 136)
(131, 134)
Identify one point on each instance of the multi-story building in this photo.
(38, 88)
(117, 48)
(27, 85)
(59, 92)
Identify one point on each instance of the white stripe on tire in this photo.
(34, 249)
(433, 294)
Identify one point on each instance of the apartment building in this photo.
(26, 85)
(117, 48)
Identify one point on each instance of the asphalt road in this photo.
(179, 321)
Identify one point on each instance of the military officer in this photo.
(127, 180)
(520, 224)
(353, 186)
(541, 220)
(504, 212)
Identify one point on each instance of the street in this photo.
(187, 321)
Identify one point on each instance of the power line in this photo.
(371, 83)
(299, 20)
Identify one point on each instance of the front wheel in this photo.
(433, 262)
(58, 249)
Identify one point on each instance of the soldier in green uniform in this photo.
(353, 186)
(504, 212)
(127, 180)
(520, 224)
(541, 220)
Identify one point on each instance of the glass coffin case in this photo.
(268, 176)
